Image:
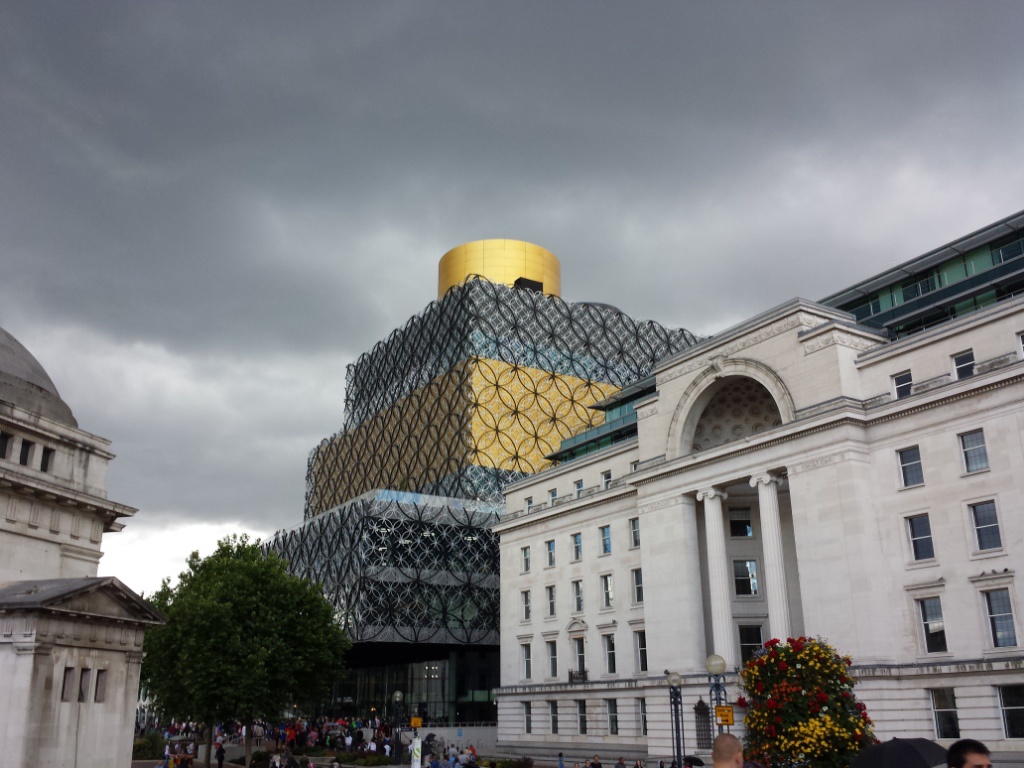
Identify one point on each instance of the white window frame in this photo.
(528, 504)
(612, 705)
(549, 553)
(525, 560)
(641, 713)
(607, 590)
(577, 596)
(553, 717)
(908, 534)
(577, 546)
(606, 480)
(964, 451)
(634, 532)
(924, 623)
(608, 644)
(972, 528)
(552, 649)
(903, 466)
(986, 590)
(581, 716)
(552, 496)
(604, 537)
(526, 654)
(741, 513)
(528, 716)
(526, 600)
(550, 595)
(742, 623)
(1003, 710)
(753, 578)
(577, 488)
(936, 710)
(579, 653)
(902, 389)
(962, 368)
(638, 585)
(640, 650)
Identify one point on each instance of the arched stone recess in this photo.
(730, 400)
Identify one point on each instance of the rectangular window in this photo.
(1000, 617)
(750, 641)
(986, 525)
(577, 488)
(606, 479)
(739, 524)
(910, 466)
(901, 384)
(745, 577)
(526, 559)
(5, 444)
(963, 365)
(605, 532)
(551, 600)
(920, 531)
(577, 546)
(579, 652)
(947, 723)
(85, 683)
(552, 658)
(549, 547)
(46, 465)
(581, 716)
(634, 532)
(1011, 701)
(613, 717)
(933, 625)
(641, 710)
(553, 714)
(68, 685)
(552, 496)
(638, 585)
(526, 605)
(577, 596)
(973, 446)
(609, 653)
(26, 452)
(527, 661)
(101, 686)
(528, 504)
(528, 716)
(607, 590)
(641, 650)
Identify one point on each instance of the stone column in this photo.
(774, 572)
(719, 574)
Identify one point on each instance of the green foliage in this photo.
(372, 760)
(801, 708)
(149, 747)
(516, 762)
(243, 638)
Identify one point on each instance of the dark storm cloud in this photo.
(233, 199)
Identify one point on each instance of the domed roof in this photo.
(24, 382)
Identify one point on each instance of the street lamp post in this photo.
(715, 666)
(397, 697)
(675, 698)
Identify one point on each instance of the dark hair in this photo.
(957, 754)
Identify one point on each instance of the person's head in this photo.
(968, 753)
(727, 751)
(597, 758)
(559, 754)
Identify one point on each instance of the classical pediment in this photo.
(104, 599)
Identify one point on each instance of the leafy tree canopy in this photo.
(801, 707)
(243, 638)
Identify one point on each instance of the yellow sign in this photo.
(417, 722)
(723, 715)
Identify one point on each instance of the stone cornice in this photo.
(61, 496)
(521, 517)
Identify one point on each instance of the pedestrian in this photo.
(561, 760)
(219, 754)
(968, 753)
(726, 751)
(596, 762)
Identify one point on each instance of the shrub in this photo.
(149, 747)
(516, 762)
(801, 708)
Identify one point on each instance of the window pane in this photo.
(975, 455)
(986, 524)
(910, 466)
(934, 627)
(921, 537)
(947, 725)
(1012, 698)
(1001, 618)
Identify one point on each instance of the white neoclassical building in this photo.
(70, 642)
(796, 474)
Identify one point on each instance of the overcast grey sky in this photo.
(208, 209)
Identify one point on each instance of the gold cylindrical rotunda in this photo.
(501, 261)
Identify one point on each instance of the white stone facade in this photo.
(778, 487)
(70, 643)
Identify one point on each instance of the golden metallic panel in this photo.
(484, 413)
(500, 261)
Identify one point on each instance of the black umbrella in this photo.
(901, 753)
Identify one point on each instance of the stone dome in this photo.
(24, 382)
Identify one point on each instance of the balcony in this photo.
(577, 676)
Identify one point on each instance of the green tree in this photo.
(801, 708)
(243, 639)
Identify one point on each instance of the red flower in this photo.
(783, 666)
(772, 704)
(759, 687)
(771, 643)
(741, 701)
